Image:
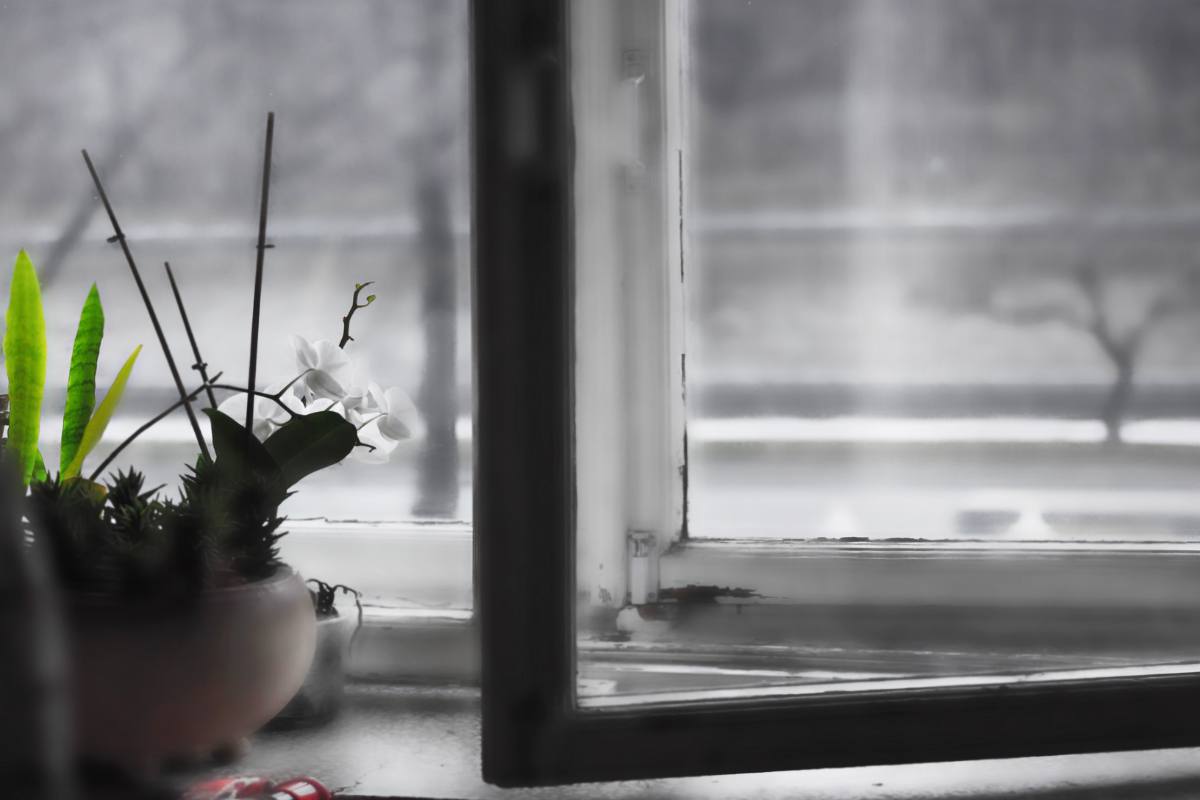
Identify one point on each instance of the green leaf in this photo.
(81, 382)
(94, 431)
(97, 492)
(310, 443)
(25, 363)
(39, 468)
(238, 450)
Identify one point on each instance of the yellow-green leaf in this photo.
(25, 363)
(99, 421)
(81, 381)
(98, 492)
(39, 469)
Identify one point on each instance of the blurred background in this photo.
(943, 253)
(370, 183)
(943, 272)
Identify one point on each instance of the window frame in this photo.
(533, 731)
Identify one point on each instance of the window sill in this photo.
(406, 741)
(834, 607)
(412, 723)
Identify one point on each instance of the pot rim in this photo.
(210, 596)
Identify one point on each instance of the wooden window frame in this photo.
(533, 731)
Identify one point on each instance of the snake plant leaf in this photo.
(25, 363)
(310, 443)
(104, 412)
(81, 381)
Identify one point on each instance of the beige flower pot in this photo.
(320, 698)
(152, 683)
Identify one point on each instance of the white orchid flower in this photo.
(357, 403)
(327, 368)
(400, 419)
(268, 414)
(386, 418)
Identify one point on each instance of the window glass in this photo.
(942, 374)
(369, 184)
(944, 270)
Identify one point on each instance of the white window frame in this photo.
(629, 347)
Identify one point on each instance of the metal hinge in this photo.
(643, 568)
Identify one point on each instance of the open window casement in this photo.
(593, 572)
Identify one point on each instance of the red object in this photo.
(230, 789)
(301, 789)
(251, 788)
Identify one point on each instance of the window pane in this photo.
(941, 352)
(370, 184)
(944, 270)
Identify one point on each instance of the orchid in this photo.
(330, 381)
(269, 414)
(399, 416)
(385, 418)
(327, 369)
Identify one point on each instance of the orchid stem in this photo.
(265, 395)
(147, 426)
(258, 268)
(380, 415)
(294, 380)
(119, 236)
(354, 306)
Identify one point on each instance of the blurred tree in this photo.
(437, 399)
(1118, 308)
(133, 118)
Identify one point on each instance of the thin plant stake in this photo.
(119, 237)
(200, 366)
(258, 270)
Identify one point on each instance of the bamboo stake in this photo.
(119, 237)
(200, 364)
(258, 270)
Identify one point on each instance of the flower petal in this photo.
(401, 419)
(334, 360)
(306, 354)
(234, 406)
(324, 385)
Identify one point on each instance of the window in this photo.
(370, 184)
(594, 502)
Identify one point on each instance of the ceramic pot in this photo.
(153, 683)
(320, 698)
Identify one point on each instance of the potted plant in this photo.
(186, 631)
